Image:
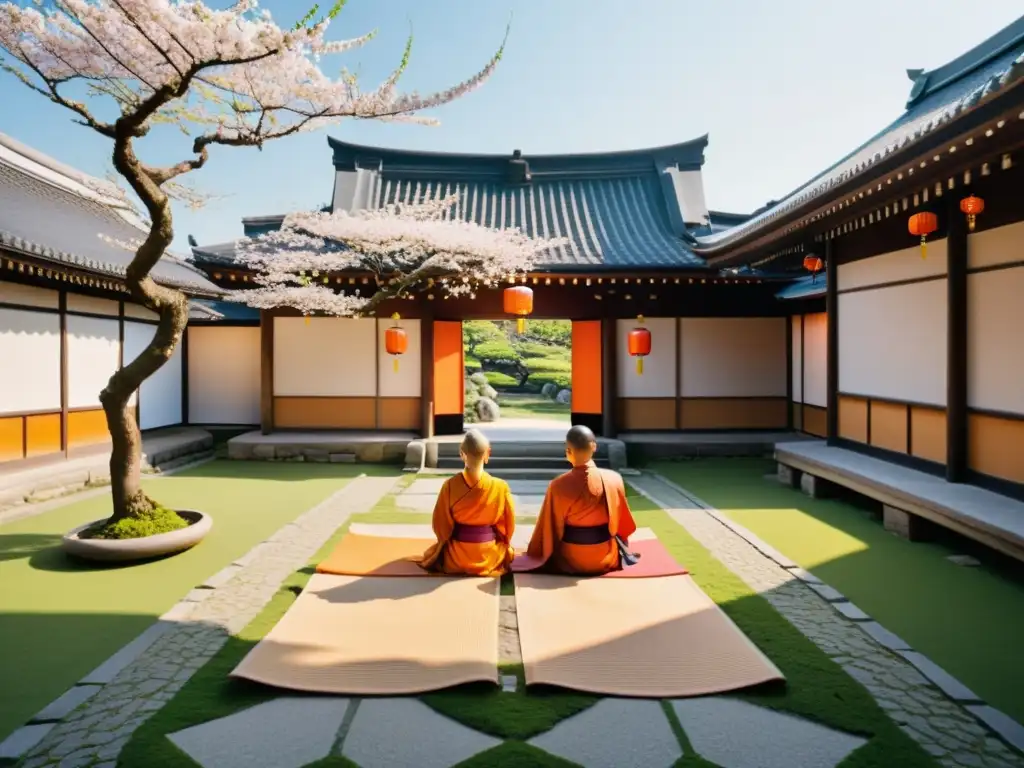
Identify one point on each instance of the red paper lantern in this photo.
(639, 344)
(972, 206)
(396, 342)
(518, 300)
(813, 265)
(921, 225)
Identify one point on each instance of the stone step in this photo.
(517, 462)
(186, 459)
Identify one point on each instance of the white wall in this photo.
(27, 296)
(29, 361)
(995, 340)
(223, 375)
(892, 342)
(1002, 245)
(733, 357)
(160, 394)
(406, 381)
(94, 347)
(659, 376)
(895, 266)
(796, 373)
(329, 356)
(93, 305)
(815, 388)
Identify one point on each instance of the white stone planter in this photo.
(124, 550)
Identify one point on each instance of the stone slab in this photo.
(614, 733)
(1004, 725)
(22, 740)
(223, 576)
(179, 612)
(904, 524)
(882, 635)
(288, 732)
(805, 576)
(509, 683)
(829, 593)
(948, 684)
(737, 734)
(388, 733)
(63, 706)
(851, 611)
(750, 537)
(110, 668)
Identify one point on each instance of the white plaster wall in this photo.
(139, 312)
(905, 264)
(28, 296)
(406, 382)
(29, 361)
(815, 387)
(659, 376)
(796, 326)
(995, 344)
(892, 342)
(733, 357)
(94, 348)
(223, 375)
(93, 305)
(993, 247)
(329, 356)
(160, 394)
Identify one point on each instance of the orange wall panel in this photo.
(889, 426)
(42, 434)
(449, 368)
(995, 446)
(928, 433)
(815, 420)
(12, 438)
(853, 419)
(586, 366)
(87, 428)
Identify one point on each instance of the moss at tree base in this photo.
(151, 523)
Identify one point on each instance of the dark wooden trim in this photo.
(996, 484)
(266, 372)
(715, 397)
(910, 429)
(62, 303)
(832, 335)
(996, 267)
(789, 371)
(803, 359)
(609, 380)
(867, 426)
(120, 334)
(956, 342)
(679, 372)
(184, 377)
(894, 457)
(85, 408)
(224, 323)
(96, 315)
(427, 374)
(26, 308)
(892, 283)
(376, 373)
(26, 414)
(996, 414)
(893, 401)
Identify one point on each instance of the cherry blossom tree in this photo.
(408, 248)
(229, 78)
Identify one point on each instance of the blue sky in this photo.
(783, 88)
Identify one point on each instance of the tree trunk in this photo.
(126, 451)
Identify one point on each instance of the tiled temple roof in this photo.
(938, 98)
(49, 214)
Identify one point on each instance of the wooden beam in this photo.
(956, 340)
(789, 373)
(184, 376)
(63, 306)
(832, 353)
(266, 372)
(427, 373)
(609, 393)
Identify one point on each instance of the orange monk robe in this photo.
(580, 498)
(489, 502)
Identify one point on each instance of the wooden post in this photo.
(832, 355)
(956, 339)
(427, 373)
(184, 377)
(609, 393)
(266, 372)
(789, 373)
(63, 307)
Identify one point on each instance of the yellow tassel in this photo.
(639, 366)
(307, 319)
(520, 325)
(396, 364)
(924, 247)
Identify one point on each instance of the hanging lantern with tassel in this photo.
(639, 343)
(921, 225)
(813, 265)
(972, 206)
(396, 342)
(518, 301)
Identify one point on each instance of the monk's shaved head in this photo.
(581, 438)
(475, 445)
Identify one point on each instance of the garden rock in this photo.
(489, 392)
(487, 409)
(564, 397)
(549, 390)
(479, 379)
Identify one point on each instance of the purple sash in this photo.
(474, 534)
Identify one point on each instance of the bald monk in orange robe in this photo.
(473, 518)
(583, 511)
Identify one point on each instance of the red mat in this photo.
(655, 560)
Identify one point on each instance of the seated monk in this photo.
(584, 511)
(473, 518)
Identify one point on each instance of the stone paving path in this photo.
(867, 651)
(127, 689)
(422, 493)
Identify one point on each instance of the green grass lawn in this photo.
(526, 406)
(967, 620)
(59, 619)
(817, 688)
